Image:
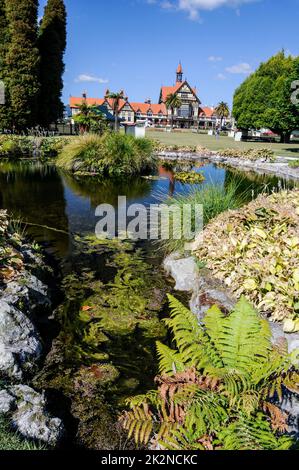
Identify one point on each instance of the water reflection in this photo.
(55, 204)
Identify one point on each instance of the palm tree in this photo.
(116, 99)
(90, 118)
(222, 111)
(173, 102)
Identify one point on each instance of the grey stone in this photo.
(31, 418)
(6, 402)
(183, 270)
(20, 347)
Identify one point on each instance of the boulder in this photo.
(7, 402)
(183, 270)
(30, 417)
(20, 346)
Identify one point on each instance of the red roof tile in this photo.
(180, 68)
(144, 108)
(74, 102)
(207, 112)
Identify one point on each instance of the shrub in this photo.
(255, 252)
(250, 154)
(215, 388)
(15, 146)
(111, 154)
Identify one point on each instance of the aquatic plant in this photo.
(189, 177)
(109, 323)
(255, 252)
(294, 164)
(216, 386)
(214, 198)
(111, 155)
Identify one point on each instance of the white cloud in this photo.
(214, 58)
(90, 78)
(221, 76)
(193, 7)
(242, 68)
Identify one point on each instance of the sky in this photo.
(136, 45)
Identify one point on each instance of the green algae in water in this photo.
(109, 324)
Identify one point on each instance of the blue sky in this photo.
(136, 45)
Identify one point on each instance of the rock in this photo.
(31, 418)
(7, 402)
(183, 270)
(20, 346)
(208, 292)
(278, 334)
(290, 405)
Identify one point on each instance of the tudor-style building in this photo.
(188, 114)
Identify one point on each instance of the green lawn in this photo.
(189, 138)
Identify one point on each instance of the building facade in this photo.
(189, 115)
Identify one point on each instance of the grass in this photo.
(214, 198)
(108, 155)
(11, 440)
(211, 143)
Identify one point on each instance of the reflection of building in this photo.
(190, 114)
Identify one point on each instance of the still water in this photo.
(55, 205)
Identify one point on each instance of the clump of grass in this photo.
(214, 198)
(294, 164)
(11, 440)
(108, 155)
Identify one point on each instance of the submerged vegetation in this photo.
(216, 388)
(109, 323)
(109, 155)
(255, 252)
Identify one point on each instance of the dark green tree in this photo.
(262, 99)
(4, 37)
(22, 62)
(52, 44)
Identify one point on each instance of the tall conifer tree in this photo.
(52, 44)
(22, 62)
(3, 50)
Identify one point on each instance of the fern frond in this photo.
(244, 340)
(138, 422)
(253, 434)
(170, 361)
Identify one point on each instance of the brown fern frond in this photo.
(278, 417)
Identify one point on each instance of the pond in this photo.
(106, 316)
(58, 205)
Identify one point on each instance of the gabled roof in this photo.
(168, 90)
(144, 108)
(122, 103)
(74, 102)
(206, 111)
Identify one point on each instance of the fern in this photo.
(170, 361)
(214, 389)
